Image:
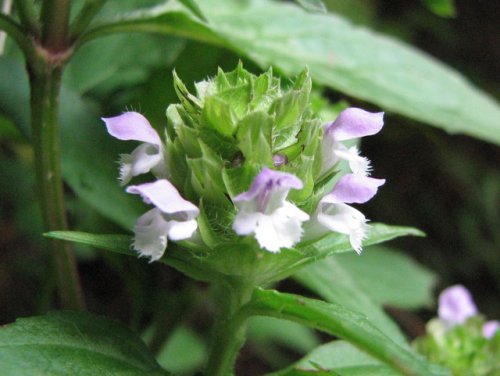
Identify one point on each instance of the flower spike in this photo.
(455, 306)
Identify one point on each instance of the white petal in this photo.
(144, 158)
(346, 220)
(245, 223)
(181, 230)
(357, 163)
(125, 169)
(281, 229)
(151, 235)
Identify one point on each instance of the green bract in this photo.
(221, 137)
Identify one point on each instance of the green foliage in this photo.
(337, 358)
(337, 320)
(350, 59)
(73, 344)
(463, 348)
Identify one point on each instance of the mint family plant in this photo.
(246, 185)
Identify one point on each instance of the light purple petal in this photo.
(455, 305)
(353, 189)
(132, 126)
(165, 197)
(490, 328)
(355, 122)
(279, 160)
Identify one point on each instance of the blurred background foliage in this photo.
(448, 186)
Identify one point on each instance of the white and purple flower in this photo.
(146, 157)
(264, 211)
(350, 124)
(334, 214)
(173, 218)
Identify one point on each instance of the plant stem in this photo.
(27, 15)
(45, 81)
(229, 328)
(55, 24)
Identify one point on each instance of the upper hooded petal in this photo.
(165, 197)
(132, 126)
(353, 123)
(353, 188)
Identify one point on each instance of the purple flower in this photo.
(455, 306)
(334, 214)
(147, 156)
(263, 211)
(350, 124)
(173, 218)
(490, 328)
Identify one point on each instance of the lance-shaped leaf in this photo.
(73, 344)
(339, 321)
(351, 59)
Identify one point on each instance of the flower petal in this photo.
(455, 306)
(344, 219)
(150, 238)
(282, 229)
(181, 230)
(355, 122)
(269, 190)
(132, 126)
(165, 197)
(490, 328)
(353, 188)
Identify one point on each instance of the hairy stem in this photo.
(229, 329)
(45, 81)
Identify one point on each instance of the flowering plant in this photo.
(460, 338)
(249, 179)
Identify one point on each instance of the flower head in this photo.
(455, 306)
(334, 214)
(264, 211)
(350, 124)
(147, 156)
(173, 218)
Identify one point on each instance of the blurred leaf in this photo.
(443, 8)
(8, 130)
(314, 6)
(339, 321)
(390, 277)
(342, 358)
(263, 330)
(73, 344)
(330, 281)
(353, 60)
(119, 60)
(183, 352)
(88, 153)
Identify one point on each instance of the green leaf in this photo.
(73, 344)
(443, 8)
(243, 259)
(358, 62)
(330, 281)
(390, 277)
(340, 357)
(315, 6)
(114, 243)
(351, 59)
(87, 152)
(339, 321)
